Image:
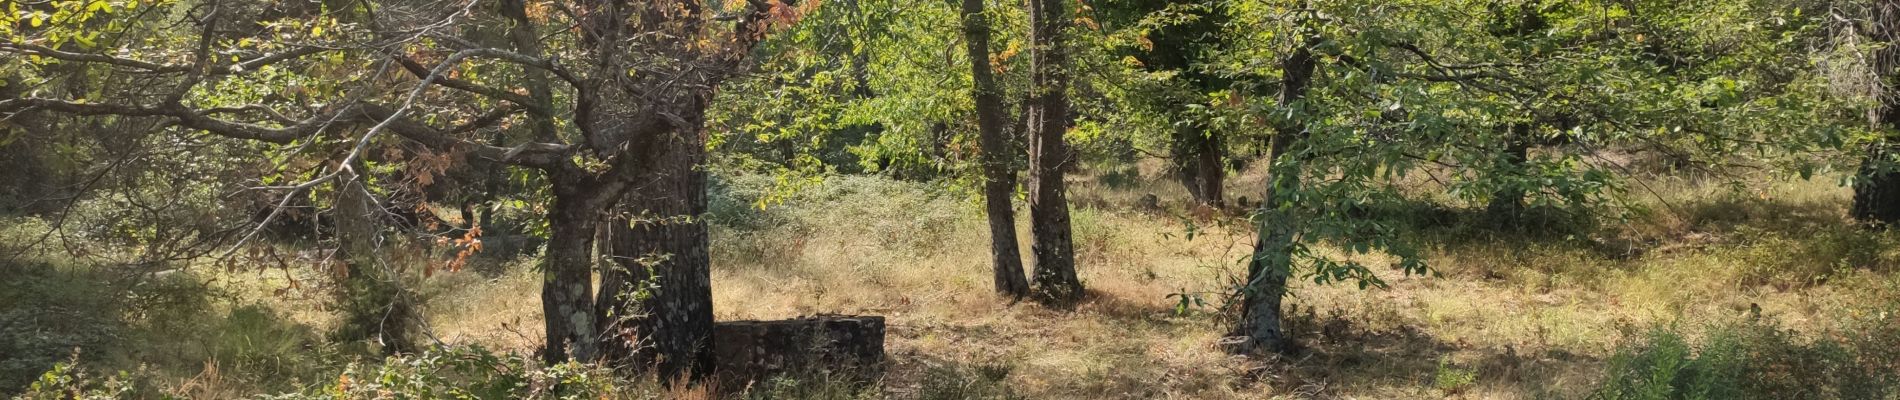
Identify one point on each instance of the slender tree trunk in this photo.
(567, 286)
(1198, 154)
(1049, 156)
(1272, 261)
(999, 172)
(1877, 190)
(1260, 315)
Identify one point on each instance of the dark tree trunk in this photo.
(1198, 155)
(656, 307)
(1877, 189)
(1049, 156)
(567, 285)
(999, 168)
(1260, 314)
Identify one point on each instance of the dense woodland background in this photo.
(1619, 199)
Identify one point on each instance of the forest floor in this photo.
(1507, 315)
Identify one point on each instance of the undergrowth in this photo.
(1754, 359)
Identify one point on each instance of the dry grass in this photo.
(1510, 316)
(1507, 319)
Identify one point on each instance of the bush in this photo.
(466, 373)
(1752, 360)
(68, 381)
(46, 312)
(453, 372)
(1452, 379)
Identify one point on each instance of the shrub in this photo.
(1453, 379)
(464, 372)
(455, 372)
(1749, 360)
(68, 381)
(45, 313)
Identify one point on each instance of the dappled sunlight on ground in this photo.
(1505, 317)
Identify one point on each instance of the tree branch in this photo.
(420, 71)
(48, 52)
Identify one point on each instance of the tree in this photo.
(1173, 39)
(1047, 110)
(1366, 95)
(637, 75)
(376, 302)
(999, 167)
(1272, 260)
(1877, 188)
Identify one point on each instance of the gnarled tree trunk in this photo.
(1507, 203)
(999, 173)
(567, 284)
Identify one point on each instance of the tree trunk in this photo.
(1198, 155)
(374, 301)
(567, 286)
(1507, 203)
(1271, 265)
(656, 307)
(1877, 189)
(1260, 315)
(1049, 156)
(999, 172)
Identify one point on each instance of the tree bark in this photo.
(999, 172)
(567, 285)
(655, 308)
(1877, 189)
(1877, 192)
(1049, 157)
(657, 305)
(1260, 315)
